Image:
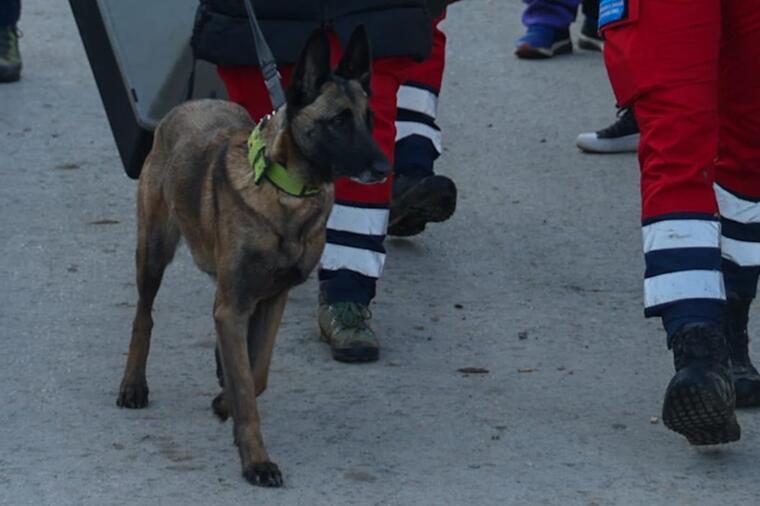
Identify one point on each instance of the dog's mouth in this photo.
(371, 177)
(377, 172)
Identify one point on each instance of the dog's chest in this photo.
(296, 260)
(299, 246)
(264, 273)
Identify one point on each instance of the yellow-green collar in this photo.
(274, 172)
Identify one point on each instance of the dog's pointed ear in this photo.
(357, 59)
(311, 72)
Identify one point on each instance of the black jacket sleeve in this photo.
(222, 34)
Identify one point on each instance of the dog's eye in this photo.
(341, 119)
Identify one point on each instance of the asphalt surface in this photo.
(536, 279)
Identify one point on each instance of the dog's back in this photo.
(196, 122)
(188, 133)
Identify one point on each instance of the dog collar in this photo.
(274, 172)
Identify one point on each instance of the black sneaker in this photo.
(10, 58)
(746, 377)
(419, 201)
(620, 137)
(700, 399)
(589, 38)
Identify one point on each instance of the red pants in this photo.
(690, 68)
(354, 255)
(418, 137)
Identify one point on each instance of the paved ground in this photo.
(539, 270)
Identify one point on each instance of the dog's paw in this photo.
(219, 405)
(133, 395)
(264, 474)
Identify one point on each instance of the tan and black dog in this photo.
(256, 239)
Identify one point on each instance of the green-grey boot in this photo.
(10, 58)
(344, 326)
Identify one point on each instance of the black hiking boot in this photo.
(700, 399)
(418, 201)
(746, 377)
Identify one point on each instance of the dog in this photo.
(256, 239)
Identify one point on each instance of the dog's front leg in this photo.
(240, 394)
(262, 332)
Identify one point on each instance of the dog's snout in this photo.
(374, 172)
(381, 167)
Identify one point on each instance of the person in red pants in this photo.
(689, 67)
(419, 195)
(354, 255)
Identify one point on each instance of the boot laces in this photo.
(699, 342)
(351, 314)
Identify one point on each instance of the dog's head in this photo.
(328, 110)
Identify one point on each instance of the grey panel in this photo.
(151, 42)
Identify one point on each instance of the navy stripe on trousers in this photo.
(418, 137)
(354, 255)
(683, 262)
(740, 242)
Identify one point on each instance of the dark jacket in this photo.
(395, 27)
(436, 7)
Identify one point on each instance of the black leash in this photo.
(191, 81)
(266, 59)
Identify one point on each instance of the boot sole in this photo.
(356, 355)
(10, 74)
(432, 201)
(590, 143)
(352, 355)
(698, 413)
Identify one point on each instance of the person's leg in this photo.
(555, 13)
(10, 11)
(667, 61)
(354, 256)
(589, 37)
(420, 196)
(245, 86)
(591, 9)
(548, 23)
(678, 118)
(737, 173)
(10, 58)
(418, 137)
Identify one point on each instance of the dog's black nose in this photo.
(381, 167)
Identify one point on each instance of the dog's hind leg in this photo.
(240, 392)
(262, 331)
(157, 238)
(219, 404)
